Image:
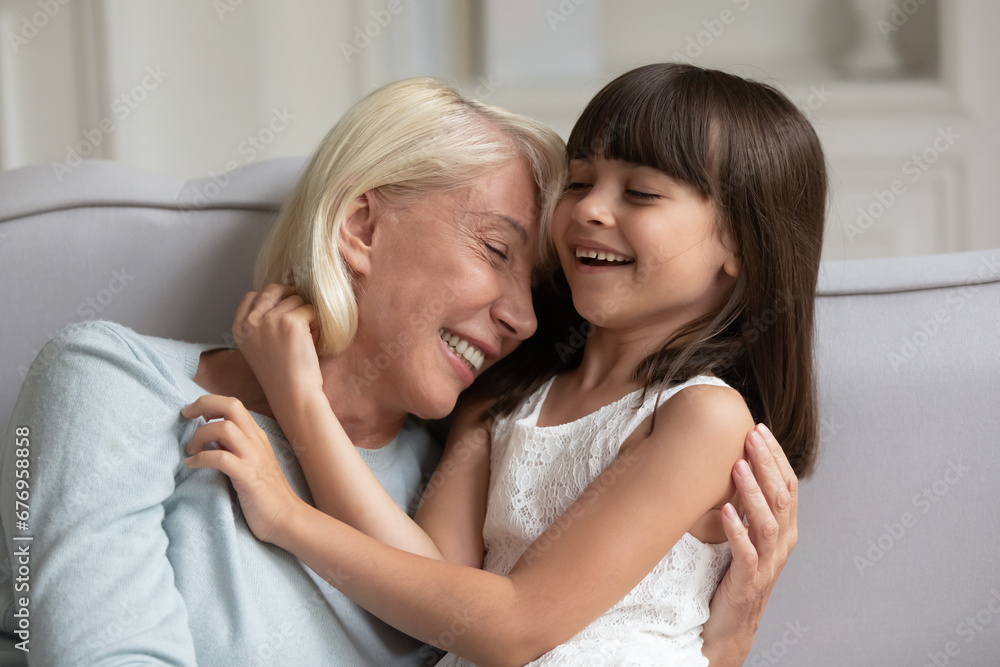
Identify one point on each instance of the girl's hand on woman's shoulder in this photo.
(244, 454)
(276, 330)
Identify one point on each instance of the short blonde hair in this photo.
(404, 140)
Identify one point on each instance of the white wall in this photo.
(191, 87)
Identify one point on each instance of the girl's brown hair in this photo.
(747, 149)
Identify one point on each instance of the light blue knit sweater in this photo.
(133, 557)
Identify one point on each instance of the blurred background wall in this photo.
(904, 93)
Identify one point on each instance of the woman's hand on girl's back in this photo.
(244, 454)
(276, 330)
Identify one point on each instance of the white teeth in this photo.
(465, 350)
(607, 256)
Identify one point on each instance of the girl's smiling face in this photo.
(641, 251)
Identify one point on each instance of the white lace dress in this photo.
(537, 473)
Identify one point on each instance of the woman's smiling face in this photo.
(446, 288)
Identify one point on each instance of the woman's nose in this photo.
(515, 311)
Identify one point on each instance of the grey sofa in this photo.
(898, 561)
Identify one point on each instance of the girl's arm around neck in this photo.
(276, 333)
(623, 524)
(449, 521)
(452, 508)
(341, 483)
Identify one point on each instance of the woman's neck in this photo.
(226, 372)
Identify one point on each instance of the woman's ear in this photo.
(356, 234)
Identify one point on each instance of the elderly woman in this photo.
(135, 557)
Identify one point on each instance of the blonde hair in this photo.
(402, 141)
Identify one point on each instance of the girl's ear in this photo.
(732, 265)
(356, 234)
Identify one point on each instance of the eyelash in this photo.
(496, 251)
(635, 194)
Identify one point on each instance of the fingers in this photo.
(213, 406)
(763, 527)
(744, 553)
(242, 330)
(274, 303)
(768, 474)
(255, 305)
(218, 459)
(225, 433)
(788, 475)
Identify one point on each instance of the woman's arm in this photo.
(760, 549)
(631, 516)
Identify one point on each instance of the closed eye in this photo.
(575, 187)
(635, 194)
(499, 252)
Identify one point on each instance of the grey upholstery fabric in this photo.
(897, 562)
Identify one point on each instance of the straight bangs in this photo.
(646, 118)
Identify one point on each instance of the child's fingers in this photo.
(223, 432)
(255, 305)
(213, 406)
(241, 329)
(266, 301)
(219, 459)
(286, 305)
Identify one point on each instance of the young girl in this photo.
(689, 237)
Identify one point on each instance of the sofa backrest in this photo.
(165, 257)
(898, 561)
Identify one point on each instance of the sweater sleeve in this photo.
(89, 557)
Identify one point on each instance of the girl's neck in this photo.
(611, 357)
